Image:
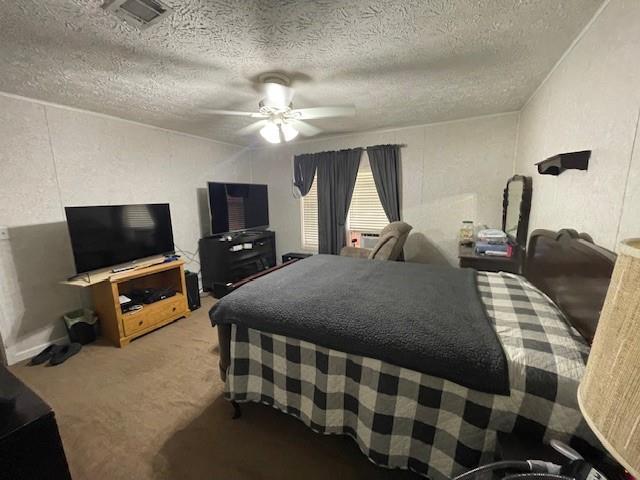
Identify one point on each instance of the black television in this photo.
(104, 236)
(236, 207)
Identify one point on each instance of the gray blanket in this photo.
(422, 317)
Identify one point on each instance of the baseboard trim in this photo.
(14, 357)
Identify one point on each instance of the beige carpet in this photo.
(154, 409)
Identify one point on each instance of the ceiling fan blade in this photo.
(304, 128)
(254, 127)
(277, 95)
(324, 112)
(235, 113)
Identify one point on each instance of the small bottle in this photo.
(466, 234)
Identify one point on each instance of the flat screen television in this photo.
(236, 207)
(105, 236)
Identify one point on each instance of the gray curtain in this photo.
(385, 166)
(304, 170)
(337, 173)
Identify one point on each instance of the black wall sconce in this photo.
(564, 161)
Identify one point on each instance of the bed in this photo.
(398, 411)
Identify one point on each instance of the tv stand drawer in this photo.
(152, 314)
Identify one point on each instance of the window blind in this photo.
(365, 212)
(310, 218)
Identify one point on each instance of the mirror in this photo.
(516, 206)
(513, 208)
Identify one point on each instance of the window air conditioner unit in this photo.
(139, 13)
(369, 240)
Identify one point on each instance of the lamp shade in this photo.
(609, 394)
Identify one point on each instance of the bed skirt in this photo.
(399, 418)
(405, 419)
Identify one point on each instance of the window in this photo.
(310, 218)
(365, 212)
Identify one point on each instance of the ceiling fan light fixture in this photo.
(279, 121)
(288, 132)
(274, 132)
(271, 133)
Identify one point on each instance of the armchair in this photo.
(389, 246)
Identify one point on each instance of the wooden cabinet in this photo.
(120, 327)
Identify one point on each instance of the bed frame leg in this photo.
(237, 411)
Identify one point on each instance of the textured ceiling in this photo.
(400, 62)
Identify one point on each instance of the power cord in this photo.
(192, 257)
(85, 277)
(533, 469)
(503, 465)
(537, 476)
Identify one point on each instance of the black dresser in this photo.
(224, 262)
(30, 444)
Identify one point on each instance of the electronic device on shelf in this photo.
(113, 235)
(160, 294)
(131, 307)
(151, 295)
(236, 207)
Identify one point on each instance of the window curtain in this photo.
(304, 170)
(385, 167)
(337, 173)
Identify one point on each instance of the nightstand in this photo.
(30, 443)
(287, 257)
(468, 258)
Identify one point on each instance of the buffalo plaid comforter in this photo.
(401, 418)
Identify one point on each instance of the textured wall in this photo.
(591, 101)
(54, 157)
(11, 305)
(451, 172)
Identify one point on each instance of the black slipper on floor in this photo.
(64, 353)
(45, 355)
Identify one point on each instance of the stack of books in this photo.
(493, 243)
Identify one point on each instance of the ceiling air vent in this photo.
(139, 13)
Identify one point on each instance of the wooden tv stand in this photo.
(122, 328)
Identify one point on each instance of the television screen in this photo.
(110, 235)
(237, 206)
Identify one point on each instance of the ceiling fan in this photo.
(279, 121)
